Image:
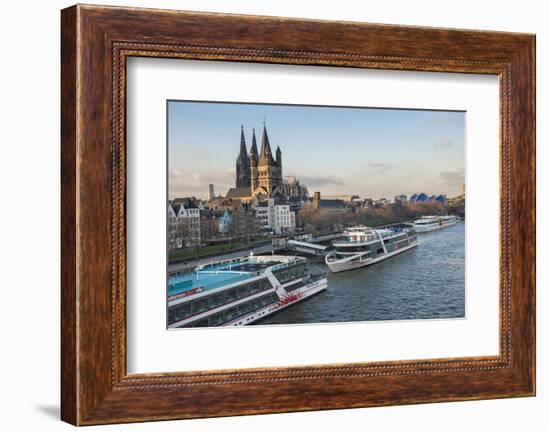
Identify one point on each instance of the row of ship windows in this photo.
(187, 309)
(232, 313)
(362, 249)
(291, 273)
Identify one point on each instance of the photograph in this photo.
(300, 214)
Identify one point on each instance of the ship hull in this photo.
(240, 291)
(297, 296)
(435, 226)
(347, 265)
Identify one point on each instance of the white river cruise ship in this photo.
(240, 291)
(362, 246)
(430, 223)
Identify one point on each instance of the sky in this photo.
(370, 152)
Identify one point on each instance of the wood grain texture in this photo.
(96, 41)
(69, 397)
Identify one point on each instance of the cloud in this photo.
(380, 166)
(443, 144)
(320, 181)
(183, 184)
(453, 178)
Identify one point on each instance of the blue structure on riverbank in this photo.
(423, 197)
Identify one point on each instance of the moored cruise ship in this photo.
(240, 291)
(362, 246)
(430, 223)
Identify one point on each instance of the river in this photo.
(427, 282)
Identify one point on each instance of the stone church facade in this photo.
(258, 174)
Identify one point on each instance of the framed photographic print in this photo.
(331, 214)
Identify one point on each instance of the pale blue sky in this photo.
(370, 152)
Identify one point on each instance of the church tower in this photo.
(268, 170)
(279, 163)
(242, 166)
(253, 158)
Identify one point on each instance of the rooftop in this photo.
(238, 192)
(331, 203)
(186, 202)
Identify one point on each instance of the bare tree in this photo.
(209, 228)
(243, 225)
(322, 220)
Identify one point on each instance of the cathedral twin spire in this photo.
(266, 158)
(265, 153)
(243, 165)
(243, 143)
(254, 147)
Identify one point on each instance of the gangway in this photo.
(307, 247)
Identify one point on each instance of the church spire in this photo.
(254, 147)
(243, 143)
(278, 157)
(242, 171)
(266, 158)
(253, 161)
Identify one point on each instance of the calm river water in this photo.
(427, 282)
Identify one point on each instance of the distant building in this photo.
(424, 198)
(457, 201)
(442, 199)
(262, 216)
(421, 197)
(331, 205)
(273, 217)
(283, 219)
(344, 198)
(296, 203)
(400, 199)
(366, 203)
(221, 203)
(215, 203)
(268, 175)
(292, 188)
(210, 192)
(184, 228)
(172, 222)
(189, 201)
(240, 193)
(259, 175)
(224, 221)
(208, 225)
(457, 204)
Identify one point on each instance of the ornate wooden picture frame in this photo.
(96, 42)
